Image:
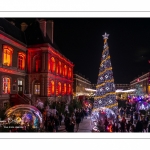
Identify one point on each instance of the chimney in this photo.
(42, 23)
(50, 29)
(23, 26)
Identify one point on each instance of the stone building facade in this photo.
(80, 84)
(31, 64)
(122, 86)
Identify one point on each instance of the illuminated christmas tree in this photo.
(105, 89)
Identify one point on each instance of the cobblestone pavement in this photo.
(85, 126)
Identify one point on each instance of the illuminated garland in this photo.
(98, 97)
(112, 80)
(99, 85)
(105, 50)
(108, 57)
(105, 71)
(113, 105)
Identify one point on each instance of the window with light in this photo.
(65, 88)
(52, 64)
(57, 68)
(6, 85)
(69, 73)
(37, 88)
(59, 88)
(52, 87)
(69, 89)
(21, 61)
(49, 65)
(65, 70)
(37, 65)
(7, 55)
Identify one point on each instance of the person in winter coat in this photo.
(60, 119)
(123, 123)
(67, 123)
(149, 128)
(128, 125)
(106, 124)
(78, 120)
(56, 123)
(71, 125)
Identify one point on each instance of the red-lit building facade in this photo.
(31, 66)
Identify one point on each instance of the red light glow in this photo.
(60, 56)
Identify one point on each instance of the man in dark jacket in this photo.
(60, 119)
(56, 123)
(67, 122)
(78, 120)
(139, 126)
(128, 125)
(106, 124)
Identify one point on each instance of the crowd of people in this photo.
(53, 122)
(127, 120)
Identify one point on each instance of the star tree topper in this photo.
(105, 37)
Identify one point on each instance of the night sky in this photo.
(80, 40)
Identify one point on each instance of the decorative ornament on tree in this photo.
(105, 94)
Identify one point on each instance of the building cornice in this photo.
(53, 76)
(141, 77)
(6, 70)
(138, 81)
(78, 76)
(10, 40)
(47, 47)
(58, 54)
(82, 81)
